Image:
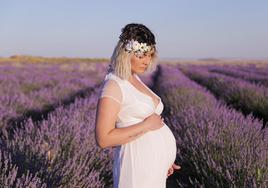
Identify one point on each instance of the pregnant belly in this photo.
(169, 143)
(154, 152)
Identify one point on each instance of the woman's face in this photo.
(140, 63)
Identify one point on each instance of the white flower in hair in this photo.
(147, 48)
(137, 47)
(143, 46)
(128, 46)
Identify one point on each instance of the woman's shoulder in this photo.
(113, 86)
(113, 76)
(115, 80)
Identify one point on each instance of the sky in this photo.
(182, 28)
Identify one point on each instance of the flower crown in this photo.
(136, 47)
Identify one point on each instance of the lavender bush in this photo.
(9, 177)
(32, 89)
(244, 96)
(255, 69)
(237, 73)
(61, 151)
(217, 146)
(58, 150)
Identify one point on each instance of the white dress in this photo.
(143, 162)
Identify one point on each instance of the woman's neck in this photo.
(131, 77)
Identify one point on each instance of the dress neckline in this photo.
(140, 92)
(139, 80)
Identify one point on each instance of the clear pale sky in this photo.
(183, 28)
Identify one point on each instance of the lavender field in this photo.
(218, 115)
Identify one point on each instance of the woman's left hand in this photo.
(172, 168)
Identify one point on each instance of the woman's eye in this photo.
(139, 56)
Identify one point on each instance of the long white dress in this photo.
(143, 162)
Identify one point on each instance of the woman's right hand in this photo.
(154, 122)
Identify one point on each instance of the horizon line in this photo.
(209, 58)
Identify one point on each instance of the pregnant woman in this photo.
(129, 118)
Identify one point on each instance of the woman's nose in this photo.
(145, 63)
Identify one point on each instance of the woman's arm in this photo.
(119, 136)
(107, 134)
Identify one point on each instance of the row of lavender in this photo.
(59, 150)
(31, 89)
(247, 97)
(217, 146)
(258, 77)
(254, 68)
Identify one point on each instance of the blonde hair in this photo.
(120, 63)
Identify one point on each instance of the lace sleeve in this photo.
(112, 90)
